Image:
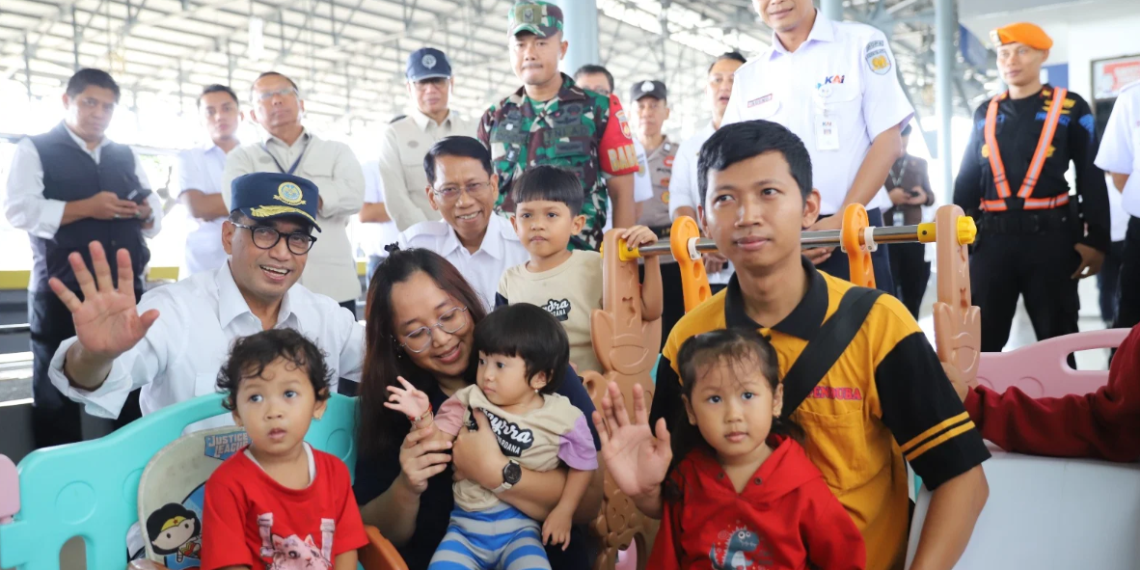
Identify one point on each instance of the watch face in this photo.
(512, 472)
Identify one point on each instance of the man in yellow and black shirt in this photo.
(885, 399)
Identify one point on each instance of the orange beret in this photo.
(1023, 33)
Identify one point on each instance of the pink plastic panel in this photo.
(1041, 370)
(9, 489)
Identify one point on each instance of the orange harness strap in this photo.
(1039, 155)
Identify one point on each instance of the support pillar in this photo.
(945, 26)
(580, 28)
(831, 9)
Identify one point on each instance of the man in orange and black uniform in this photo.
(1035, 239)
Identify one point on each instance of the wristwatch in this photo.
(512, 472)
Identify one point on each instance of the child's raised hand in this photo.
(556, 529)
(407, 400)
(637, 460)
(638, 236)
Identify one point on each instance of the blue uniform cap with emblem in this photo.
(427, 63)
(264, 196)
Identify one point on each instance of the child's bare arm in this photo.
(345, 561)
(556, 529)
(652, 295)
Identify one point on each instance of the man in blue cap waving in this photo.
(174, 341)
(407, 139)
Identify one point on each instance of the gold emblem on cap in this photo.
(290, 193)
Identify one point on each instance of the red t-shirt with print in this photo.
(251, 520)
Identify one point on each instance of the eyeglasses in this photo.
(268, 95)
(265, 237)
(451, 193)
(450, 322)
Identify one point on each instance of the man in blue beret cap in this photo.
(174, 341)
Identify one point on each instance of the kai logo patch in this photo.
(559, 309)
(877, 57)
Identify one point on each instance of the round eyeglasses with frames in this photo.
(451, 193)
(266, 237)
(450, 322)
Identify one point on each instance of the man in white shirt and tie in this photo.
(200, 178)
(290, 148)
(174, 341)
(463, 188)
(67, 187)
(835, 85)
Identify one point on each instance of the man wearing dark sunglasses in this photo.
(174, 341)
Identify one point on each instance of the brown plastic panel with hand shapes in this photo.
(626, 346)
(957, 323)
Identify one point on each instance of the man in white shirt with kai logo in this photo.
(834, 85)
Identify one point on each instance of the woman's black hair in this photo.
(164, 513)
(736, 347)
(380, 428)
(550, 183)
(738, 142)
(250, 355)
(530, 333)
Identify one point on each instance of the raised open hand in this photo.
(407, 400)
(637, 461)
(107, 320)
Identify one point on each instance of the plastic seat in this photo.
(90, 489)
(1041, 370)
(1049, 513)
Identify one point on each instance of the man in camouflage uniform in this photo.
(551, 121)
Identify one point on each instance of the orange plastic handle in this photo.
(694, 280)
(855, 222)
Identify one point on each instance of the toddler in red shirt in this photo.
(736, 491)
(279, 504)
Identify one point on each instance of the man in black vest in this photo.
(66, 188)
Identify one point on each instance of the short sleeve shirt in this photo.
(581, 131)
(1120, 148)
(885, 400)
(842, 80)
(540, 440)
(252, 520)
(655, 211)
(570, 292)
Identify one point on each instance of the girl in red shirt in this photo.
(738, 491)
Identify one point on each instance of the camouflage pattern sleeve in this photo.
(616, 152)
(484, 132)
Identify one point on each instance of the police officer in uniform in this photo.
(651, 103)
(407, 138)
(1033, 240)
(67, 188)
(551, 121)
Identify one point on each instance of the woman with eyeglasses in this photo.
(421, 319)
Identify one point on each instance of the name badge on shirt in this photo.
(826, 132)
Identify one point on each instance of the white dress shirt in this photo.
(403, 146)
(26, 207)
(642, 184)
(331, 269)
(843, 74)
(683, 189)
(199, 320)
(500, 250)
(201, 169)
(1120, 147)
(375, 235)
